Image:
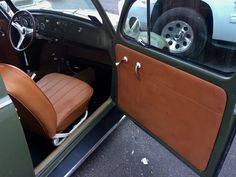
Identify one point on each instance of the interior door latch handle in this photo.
(136, 69)
(124, 60)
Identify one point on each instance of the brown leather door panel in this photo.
(182, 110)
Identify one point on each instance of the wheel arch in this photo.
(201, 7)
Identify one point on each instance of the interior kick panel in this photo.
(182, 110)
(7, 53)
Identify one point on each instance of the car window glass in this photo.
(135, 25)
(201, 33)
(81, 8)
(113, 10)
(4, 6)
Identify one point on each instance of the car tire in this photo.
(184, 29)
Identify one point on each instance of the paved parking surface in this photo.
(130, 152)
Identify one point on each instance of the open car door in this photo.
(183, 101)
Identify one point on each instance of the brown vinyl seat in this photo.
(49, 106)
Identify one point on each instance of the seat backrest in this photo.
(35, 110)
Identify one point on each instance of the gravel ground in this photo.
(130, 152)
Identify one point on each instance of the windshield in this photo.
(82, 8)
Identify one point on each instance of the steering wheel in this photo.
(22, 22)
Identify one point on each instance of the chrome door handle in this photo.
(124, 60)
(136, 69)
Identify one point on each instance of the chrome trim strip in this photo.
(5, 101)
(73, 169)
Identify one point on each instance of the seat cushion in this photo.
(68, 95)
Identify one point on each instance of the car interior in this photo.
(57, 66)
(57, 70)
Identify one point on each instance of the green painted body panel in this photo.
(14, 154)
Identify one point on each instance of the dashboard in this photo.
(59, 28)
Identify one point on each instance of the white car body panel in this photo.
(224, 19)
